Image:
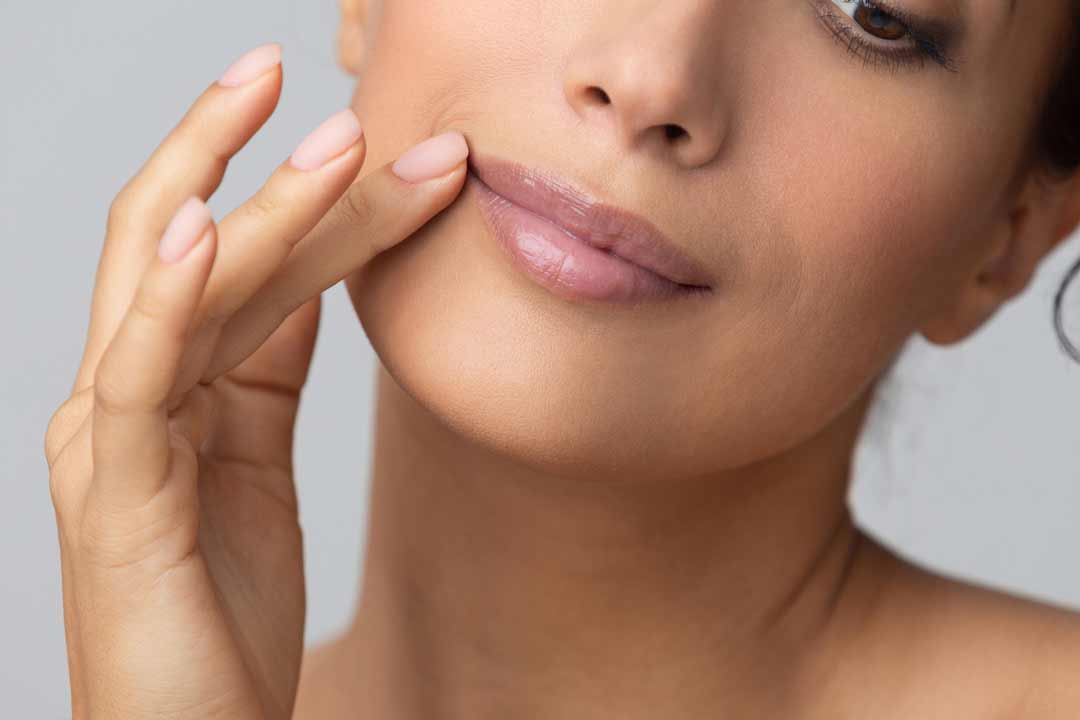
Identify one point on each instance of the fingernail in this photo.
(432, 158)
(337, 134)
(185, 230)
(251, 65)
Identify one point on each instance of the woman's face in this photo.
(842, 202)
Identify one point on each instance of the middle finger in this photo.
(260, 234)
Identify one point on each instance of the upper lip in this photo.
(601, 225)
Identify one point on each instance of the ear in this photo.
(351, 40)
(1044, 214)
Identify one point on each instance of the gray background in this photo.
(971, 463)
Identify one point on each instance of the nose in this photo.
(652, 80)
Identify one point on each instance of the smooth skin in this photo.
(588, 512)
(170, 464)
(581, 512)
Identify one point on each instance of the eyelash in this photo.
(892, 56)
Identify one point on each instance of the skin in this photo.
(568, 516)
(608, 484)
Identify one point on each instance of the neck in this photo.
(489, 589)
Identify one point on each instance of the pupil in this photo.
(879, 18)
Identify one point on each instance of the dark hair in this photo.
(1058, 144)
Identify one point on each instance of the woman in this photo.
(632, 294)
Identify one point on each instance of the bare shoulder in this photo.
(1049, 636)
(1000, 654)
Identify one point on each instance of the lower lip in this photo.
(566, 265)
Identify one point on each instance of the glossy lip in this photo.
(607, 227)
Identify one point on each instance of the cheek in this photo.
(848, 221)
(884, 206)
(429, 68)
(411, 69)
(889, 230)
(857, 223)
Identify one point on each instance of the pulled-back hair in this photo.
(1057, 144)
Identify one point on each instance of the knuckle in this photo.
(265, 203)
(148, 537)
(199, 130)
(117, 392)
(68, 473)
(111, 393)
(209, 324)
(59, 428)
(357, 207)
(58, 422)
(122, 206)
(210, 319)
(150, 306)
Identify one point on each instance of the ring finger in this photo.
(260, 234)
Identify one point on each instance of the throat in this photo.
(488, 590)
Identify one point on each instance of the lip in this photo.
(575, 245)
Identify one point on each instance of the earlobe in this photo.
(350, 36)
(1070, 215)
(1006, 270)
(1021, 241)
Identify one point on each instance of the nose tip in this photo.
(672, 131)
(665, 105)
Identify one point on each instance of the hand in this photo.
(170, 463)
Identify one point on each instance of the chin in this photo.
(566, 389)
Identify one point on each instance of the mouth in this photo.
(577, 247)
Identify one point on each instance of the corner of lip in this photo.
(486, 168)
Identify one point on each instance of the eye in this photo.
(881, 34)
(875, 21)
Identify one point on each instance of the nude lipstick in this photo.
(575, 246)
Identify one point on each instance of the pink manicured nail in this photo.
(337, 134)
(432, 158)
(251, 65)
(187, 227)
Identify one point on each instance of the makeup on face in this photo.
(575, 246)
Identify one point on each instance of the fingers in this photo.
(71, 635)
(65, 422)
(261, 233)
(196, 417)
(131, 439)
(69, 426)
(281, 363)
(371, 216)
(260, 396)
(190, 161)
(193, 157)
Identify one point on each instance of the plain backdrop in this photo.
(971, 462)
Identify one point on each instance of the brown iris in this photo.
(879, 24)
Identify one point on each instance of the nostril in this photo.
(673, 132)
(598, 94)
